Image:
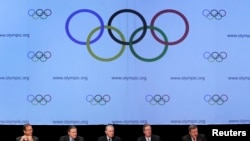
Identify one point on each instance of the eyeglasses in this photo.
(29, 130)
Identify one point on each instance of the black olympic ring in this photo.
(216, 99)
(39, 13)
(39, 99)
(157, 99)
(215, 56)
(131, 40)
(39, 55)
(214, 14)
(98, 99)
(144, 25)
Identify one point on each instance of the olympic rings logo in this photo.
(216, 99)
(39, 99)
(157, 99)
(39, 13)
(98, 99)
(122, 41)
(214, 14)
(39, 55)
(215, 56)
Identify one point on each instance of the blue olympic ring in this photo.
(98, 99)
(39, 99)
(157, 99)
(39, 55)
(88, 11)
(39, 13)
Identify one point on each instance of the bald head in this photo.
(109, 131)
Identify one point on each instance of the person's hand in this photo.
(29, 138)
(24, 138)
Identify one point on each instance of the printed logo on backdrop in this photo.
(163, 40)
(215, 56)
(216, 99)
(157, 99)
(214, 14)
(39, 99)
(39, 56)
(39, 13)
(98, 99)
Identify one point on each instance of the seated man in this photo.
(109, 131)
(72, 135)
(28, 134)
(148, 136)
(193, 134)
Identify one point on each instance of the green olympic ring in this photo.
(148, 59)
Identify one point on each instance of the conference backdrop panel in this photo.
(89, 62)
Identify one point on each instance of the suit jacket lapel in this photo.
(198, 138)
(152, 138)
(67, 139)
(190, 138)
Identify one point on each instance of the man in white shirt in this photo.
(110, 134)
(193, 134)
(148, 136)
(72, 135)
(27, 134)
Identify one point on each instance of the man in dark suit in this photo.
(110, 134)
(194, 134)
(72, 135)
(28, 134)
(148, 136)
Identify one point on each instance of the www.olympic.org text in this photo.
(129, 121)
(188, 121)
(239, 121)
(62, 122)
(186, 78)
(11, 78)
(15, 35)
(128, 78)
(13, 122)
(241, 78)
(83, 78)
(238, 36)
